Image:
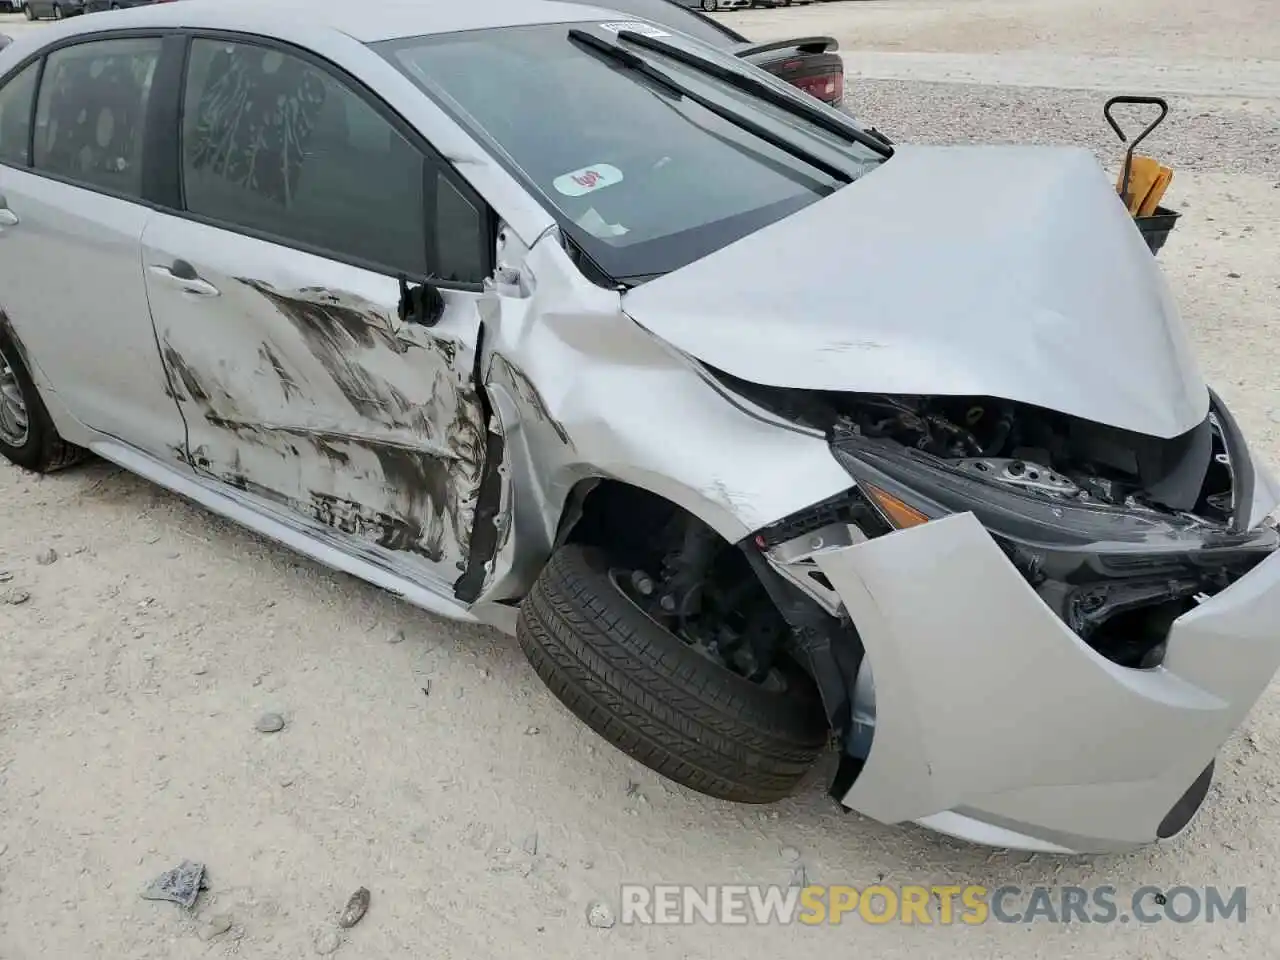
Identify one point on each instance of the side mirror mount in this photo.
(420, 303)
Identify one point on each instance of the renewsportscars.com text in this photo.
(936, 904)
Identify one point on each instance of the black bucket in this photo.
(1156, 228)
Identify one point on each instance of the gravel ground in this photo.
(1199, 135)
(1166, 31)
(424, 761)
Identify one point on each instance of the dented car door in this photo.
(276, 299)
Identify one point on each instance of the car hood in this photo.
(1010, 272)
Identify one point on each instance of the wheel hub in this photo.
(737, 658)
(14, 422)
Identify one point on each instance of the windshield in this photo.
(642, 178)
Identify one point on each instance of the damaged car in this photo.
(766, 438)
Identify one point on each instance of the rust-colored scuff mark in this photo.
(388, 531)
(360, 324)
(430, 454)
(327, 449)
(335, 334)
(288, 385)
(181, 373)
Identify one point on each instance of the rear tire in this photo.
(659, 700)
(710, 6)
(39, 448)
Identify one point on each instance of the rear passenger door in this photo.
(276, 290)
(74, 199)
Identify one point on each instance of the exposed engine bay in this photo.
(1120, 533)
(1042, 452)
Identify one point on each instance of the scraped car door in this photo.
(276, 300)
(72, 214)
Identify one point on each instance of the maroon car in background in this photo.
(810, 63)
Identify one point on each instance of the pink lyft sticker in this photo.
(587, 180)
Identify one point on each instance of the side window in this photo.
(274, 144)
(92, 109)
(17, 99)
(460, 238)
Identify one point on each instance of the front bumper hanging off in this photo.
(997, 724)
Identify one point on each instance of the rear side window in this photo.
(91, 112)
(276, 145)
(17, 100)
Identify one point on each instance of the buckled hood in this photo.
(1011, 272)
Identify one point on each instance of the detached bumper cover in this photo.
(996, 723)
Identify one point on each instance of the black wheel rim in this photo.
(775, 681)
(15, 425)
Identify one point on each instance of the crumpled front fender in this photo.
(993, 718)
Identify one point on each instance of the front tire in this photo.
(28, 437)
(657, 699)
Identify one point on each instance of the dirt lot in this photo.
(481, 815)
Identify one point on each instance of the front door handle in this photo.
(182, 275)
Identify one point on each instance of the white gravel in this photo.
(1198, 135)
(132, 677)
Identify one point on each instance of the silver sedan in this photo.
(765, 437)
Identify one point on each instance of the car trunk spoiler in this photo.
(800, 44)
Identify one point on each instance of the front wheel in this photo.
(710, 6)
(660, 700)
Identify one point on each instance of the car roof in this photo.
(365, 21)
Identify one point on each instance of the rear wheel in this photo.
(710, 6)
(27, 435)
(696, 703)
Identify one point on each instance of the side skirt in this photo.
(318, 544)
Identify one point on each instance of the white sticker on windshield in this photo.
(587, 180)
(634, 26)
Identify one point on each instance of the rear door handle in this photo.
(182, 275)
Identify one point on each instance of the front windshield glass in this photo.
(644, 180)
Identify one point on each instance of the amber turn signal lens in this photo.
(895, 511)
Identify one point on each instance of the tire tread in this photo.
(657, 700)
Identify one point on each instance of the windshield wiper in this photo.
(660, 77)
(759, 88)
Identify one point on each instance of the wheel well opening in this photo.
(618, 518)
(684, 575)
